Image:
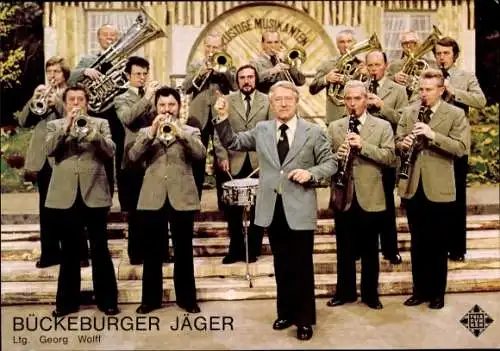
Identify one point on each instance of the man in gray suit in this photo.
(107, 35)
(371, 144)
(270, 64)
(328, 74)
(292, 154)
(37, 166)
(203, 81)
(429, 192)
(135, 109)
(80, 196)
(385, 98)
(462, 90)
(246, 108)
(168, 194)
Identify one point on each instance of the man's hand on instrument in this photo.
(363, 69)
(221, 106)
(421, 128)
(342, 150)
(39, 90)
(448, 87)
(153, 129)
(334, 77)
(150, 89)
(92, 73)
(70, 119)
(300, 176)
(354, 140)
(374, 100)
(52, 100)
(224, 165)
(407, 142)
(400, 78)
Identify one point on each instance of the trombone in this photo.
(294, 57)
(219, 61)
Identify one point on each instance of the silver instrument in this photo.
(81, 126)
(40, 105)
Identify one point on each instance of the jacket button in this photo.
(165, 177)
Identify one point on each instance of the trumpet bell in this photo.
(167, 132)
(295, 57)
(221, 61)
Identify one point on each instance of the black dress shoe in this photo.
(45, 264)
(190, 308)
(228, 259)
(336, 301)
(437, 303)
(374, 304)
(396, 259)
(144, 309)
(304, 332)
(281, 324)
(414, 301)
(109, 311)
(61, 312)
(457, 258)
(135, 262)
(252, 259)
(84, 263)
(166, 260)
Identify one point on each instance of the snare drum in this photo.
(240, 192)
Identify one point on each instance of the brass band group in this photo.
(390, 125)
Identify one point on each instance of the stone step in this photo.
(394, 283)
(218, 246)
(115, 215)
(212, 267)
(30, 232)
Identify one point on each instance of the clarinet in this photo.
(410, 154)
(346, 162)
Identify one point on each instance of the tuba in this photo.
(414, 65)
(346, 66)
(103, 90)
(219, 62)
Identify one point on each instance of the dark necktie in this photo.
(374, 86)
(141, 92)
(247, 111)
(354, 124)
(274, 60)
(283, 146)
(427, 115)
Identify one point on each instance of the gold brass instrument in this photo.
(114, 80)
(409, 158)
(167, 130)
(219, 62)
(342, 185)
(293, 57)
(415, 65)
(346, 66)
(39, 105)
(81, 126)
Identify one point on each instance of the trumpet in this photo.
(219, 62)
(39, 105)
(167, 130)
(81, 126)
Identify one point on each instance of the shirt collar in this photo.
(381, 81)
(252, 95)
(435, 106)
(291, 123)
(134, 89)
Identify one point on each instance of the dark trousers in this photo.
(72, 221)
(49, 237)
(388, 229)
(457, 241)
(429, 224)
(181, 225)
(131, 179)
(357, 233)
(293, 268)
(234, 217)
(113, 166)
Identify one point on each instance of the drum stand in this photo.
(246, 217)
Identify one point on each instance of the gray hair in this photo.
(350, 32)
(356, 84)
(212, 35)
(407, 33)
(284, 84)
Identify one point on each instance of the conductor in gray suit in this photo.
(80, 196)
(246, 108)
(292, 154)
(168, 194)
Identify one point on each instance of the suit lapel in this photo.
(439, 116)
(368, 127)
(271, 143)
(257, 105)
(239, 108)
(385, 90)
(299, 140)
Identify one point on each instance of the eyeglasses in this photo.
(287, 99)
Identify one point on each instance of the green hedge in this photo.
(483, 161)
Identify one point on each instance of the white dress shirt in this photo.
(290, 132)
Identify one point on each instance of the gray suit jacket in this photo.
(333, 111)
(395, 98)
(37, 151)
(259, 111)
(79, 166)
(397, 65)
(135, 113)
(263, 64)
(169, 170)
(310, 150)
(203, 100)
(77, 73)
(376, 153)
(434, 164)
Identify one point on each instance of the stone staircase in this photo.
(22, 283)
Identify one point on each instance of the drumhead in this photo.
(241, 183)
